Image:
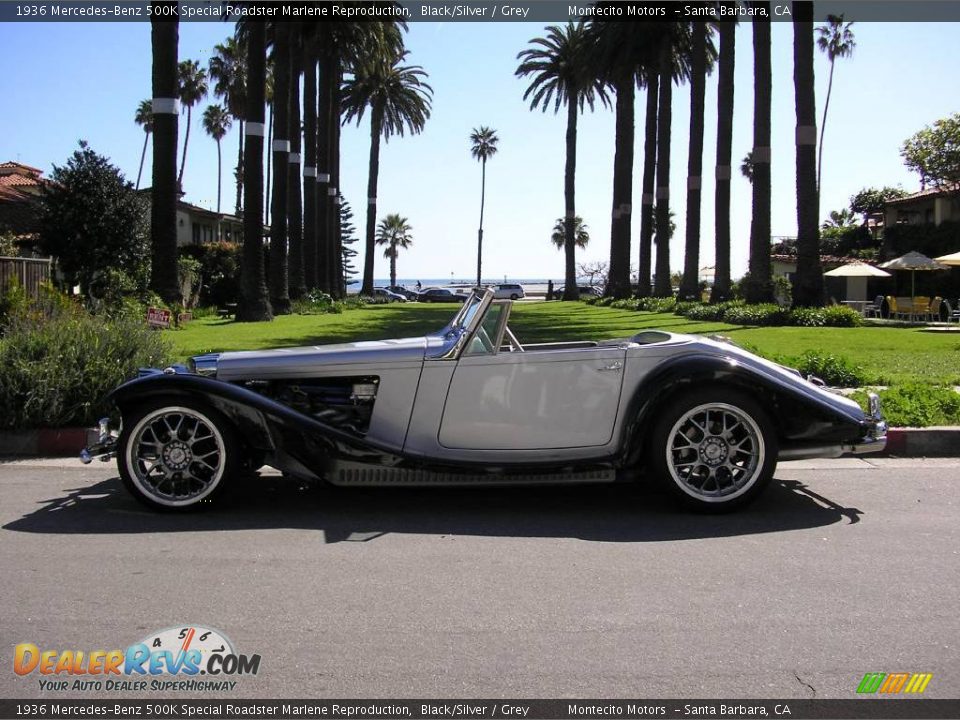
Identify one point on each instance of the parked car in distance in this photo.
(401, 290)
(508, 291)
(586, 291)
(388, 295)
(441, 295)
(470, 405)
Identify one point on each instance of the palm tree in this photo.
(280, 149)
(394, 232)
(228, 70)
(746, 166)
(310, 166)
(345, 47)
(562, 76)
(844, 218)
(808, 281)
(399, 100)
(689, 287)
(294, 201)
(760, 287)
(254, 302)
(837, 41)
(217, 121)
(727, 31)
(144, 118)
(649, 176)
(164, 38)
(483, 146)
(193, 89)
(663, 287)
(581, 235)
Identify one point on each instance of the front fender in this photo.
(263, 423)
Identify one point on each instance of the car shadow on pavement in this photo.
(605, 513)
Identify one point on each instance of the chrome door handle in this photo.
(613, 367)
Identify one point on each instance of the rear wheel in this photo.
(713, 449)
(177, 457)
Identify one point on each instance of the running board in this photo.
(348, 473)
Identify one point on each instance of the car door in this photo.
(541, 399)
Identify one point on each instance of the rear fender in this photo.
(798, 415)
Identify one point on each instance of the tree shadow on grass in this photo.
(606, 513)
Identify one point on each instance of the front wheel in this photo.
(714, 450)
(177, 457)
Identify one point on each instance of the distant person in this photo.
(419, 286)
(549, 289)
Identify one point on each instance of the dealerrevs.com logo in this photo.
(168, 660)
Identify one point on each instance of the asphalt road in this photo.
(842, 568)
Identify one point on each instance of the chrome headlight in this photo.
(205, 365)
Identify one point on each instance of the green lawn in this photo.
(888, 355)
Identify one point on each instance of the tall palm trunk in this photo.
(649, 176)
(267, 207)
(294, 202)
(483, 192)
(254, 302)
(219, 175)
(721, 270)
(760, 287)
(689, 287)
(186, 142)
(569, 191)
(808, 282)
(618, 281)
(334, 249)
(393, 266)
(280, 146)
(143, 156)
(324, 141)
(310, 166)
(164, 38)
(376, 120)
(823, 124)
(662, 285)
(238, 173)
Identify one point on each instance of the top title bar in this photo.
(538, 11)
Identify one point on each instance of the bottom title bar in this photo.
(476, 709)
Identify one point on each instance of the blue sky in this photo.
(64, 82)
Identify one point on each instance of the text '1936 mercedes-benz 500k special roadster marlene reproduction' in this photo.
(470, 404)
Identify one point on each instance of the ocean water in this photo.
(536, 286)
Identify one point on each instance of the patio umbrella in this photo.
(860, 270)
(913, 261)
(951, 259)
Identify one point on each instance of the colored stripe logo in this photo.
(894, 683)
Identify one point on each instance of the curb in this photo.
(64, 442)
(46, 442)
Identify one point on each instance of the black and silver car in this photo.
(473, 404)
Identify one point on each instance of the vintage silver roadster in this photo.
(471, 404)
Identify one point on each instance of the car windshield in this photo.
(470, 308)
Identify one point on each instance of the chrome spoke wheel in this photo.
(175, 456)
(715, 452)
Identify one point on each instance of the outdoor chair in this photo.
(953, 314)
(933, 311)
(892, 310)
(875, 309)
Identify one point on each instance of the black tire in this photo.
(188, 436)
(730, 453)
(514, 297)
